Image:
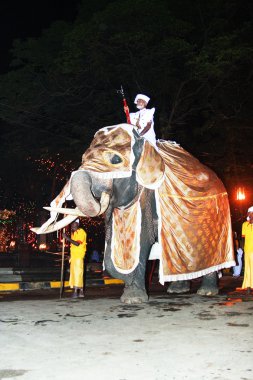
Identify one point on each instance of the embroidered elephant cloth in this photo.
(109, 143)
(125, 248)
(194, 218)
(194, 226)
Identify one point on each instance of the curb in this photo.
(15, 286)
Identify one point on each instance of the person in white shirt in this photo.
(143, 119)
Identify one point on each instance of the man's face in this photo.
(250, 215)
(74, 226)
(141, 104)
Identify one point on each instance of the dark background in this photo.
(62, 62)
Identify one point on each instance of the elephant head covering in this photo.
(110, 154)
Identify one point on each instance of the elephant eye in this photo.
(111, 157)
(115, 159)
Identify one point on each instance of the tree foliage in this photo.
(193, 58)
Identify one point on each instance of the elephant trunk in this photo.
(81, 191)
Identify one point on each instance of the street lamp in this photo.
(240, 194)
(241, 199)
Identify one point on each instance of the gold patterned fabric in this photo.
(150, 168)
(194, 218)
(195, 236)
(107, 143)
(125, 248)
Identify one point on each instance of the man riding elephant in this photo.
(144, 118)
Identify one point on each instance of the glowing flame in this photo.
(42, 247)
(240, 194)
(12, 244)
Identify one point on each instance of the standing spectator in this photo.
(239, 254)
(77, 254)
(95, 256)
(247, 242)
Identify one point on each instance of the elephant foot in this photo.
(133, 295)
(205, 291)
(209, 286)
(179, 287)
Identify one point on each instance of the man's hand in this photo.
(76, 243)
(146, 129)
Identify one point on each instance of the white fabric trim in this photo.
(168, 141)
(111, 128)
(185, 276)
(153, 186)
(155, 252)
(137, 257)
(158, 211)
(190, 276)
(110, 175)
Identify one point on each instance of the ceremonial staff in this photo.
(126, 109)
(62, 261)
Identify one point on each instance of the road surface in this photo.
(172, 337)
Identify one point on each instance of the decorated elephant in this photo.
(159, 203)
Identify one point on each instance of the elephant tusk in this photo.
(56, 226)
(72, 214)
(67, 211)
(104, 202)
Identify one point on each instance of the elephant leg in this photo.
(135, 287)
(209, 286)
(179, 287)
(134, 290)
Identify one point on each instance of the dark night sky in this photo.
(27, 18)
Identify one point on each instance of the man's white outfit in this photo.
(141, 118)
(238, 268)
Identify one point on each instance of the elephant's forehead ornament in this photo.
(110, 154)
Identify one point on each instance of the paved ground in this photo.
(171, 337)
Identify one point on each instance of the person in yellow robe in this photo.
(247, 241)
(77, 254)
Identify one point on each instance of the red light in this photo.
(240, 194)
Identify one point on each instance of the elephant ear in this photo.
(150, 169)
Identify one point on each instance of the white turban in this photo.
(142, 97)
(250, 209)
